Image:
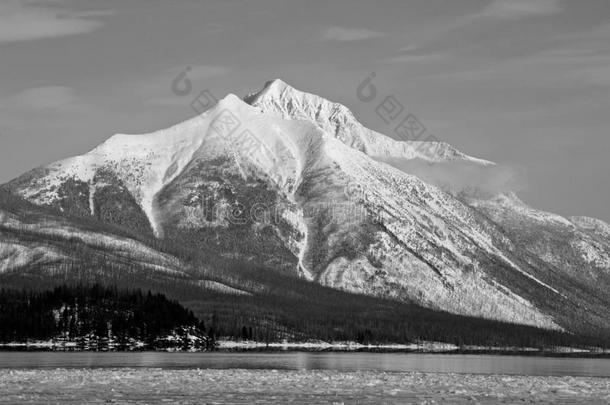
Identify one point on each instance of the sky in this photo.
(524, 83)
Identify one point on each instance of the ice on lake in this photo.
(241, 386)
(299, 378)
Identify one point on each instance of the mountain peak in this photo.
(272, 88)
(231, 101)
(276, 84)
(280, 99)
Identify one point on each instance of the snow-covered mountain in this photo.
(335, 119)
(293, 182)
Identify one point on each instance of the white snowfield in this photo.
(421, 243)
(236, 386)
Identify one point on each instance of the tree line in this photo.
(73, 313)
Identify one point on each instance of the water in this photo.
(343, 362)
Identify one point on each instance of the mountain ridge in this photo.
(293, 182)
(280, 98)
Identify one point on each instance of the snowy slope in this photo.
(422, 245)
(30, 241)
(146, 163)
(36, 243)
(143, 163)
(580, 245)
(595, 226)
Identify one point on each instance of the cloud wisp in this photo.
(22, 20)
(44, 98)
(515, 9)
(463, 177)
(343, 34)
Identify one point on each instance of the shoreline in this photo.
(225, 345)
(422, 347)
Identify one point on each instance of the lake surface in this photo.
(299, 378)
(344, 362)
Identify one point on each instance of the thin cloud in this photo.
(463, 177)
(350, 34)
(44, 98)
(415, 58)
(42, 109)
(22, 20)
(514, 9)
(475, 35)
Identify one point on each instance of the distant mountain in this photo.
(293, 183)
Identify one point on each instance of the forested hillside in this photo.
(96, 317)
(234, 298)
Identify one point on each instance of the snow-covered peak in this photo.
(278, 98)
(276, 88)
(146, 163)
(232, 102)
(396, 236)
(174, 138)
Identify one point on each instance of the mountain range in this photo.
(294, 185)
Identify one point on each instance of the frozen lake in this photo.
(299, 378)
(335, 361)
